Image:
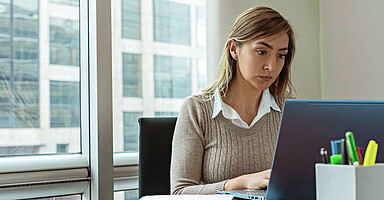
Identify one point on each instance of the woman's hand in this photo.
(256, 181)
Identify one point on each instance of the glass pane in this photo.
(131, 75)
(127, 195)
(166, 114)
(152, 72)
(172, 77)
(130, 19)
(64, 41)
(131, 137)
(65, 104)
(19, 105)
(172, 22)
(69, 2)
(39, 102)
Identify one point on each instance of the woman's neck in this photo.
(244, 98)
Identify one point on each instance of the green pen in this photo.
(352, 148)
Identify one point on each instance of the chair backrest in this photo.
(155, 145)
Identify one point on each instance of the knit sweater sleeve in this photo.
(188, 152)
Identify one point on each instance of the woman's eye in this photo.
(281, 56)
(261, 52)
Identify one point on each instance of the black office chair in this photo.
(155, 145)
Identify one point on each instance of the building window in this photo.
(62, 148)
(64, 104)
(171, 22)
(19, 64)
(19, 150)
(68, 2)
(166, 114)
(130, 19)
(131, 131)
(131, 195)
(64, 41)
(172, 77)
(131, 75)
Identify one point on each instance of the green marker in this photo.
(335, 159)
(352, 148)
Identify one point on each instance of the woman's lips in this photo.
(265, 78)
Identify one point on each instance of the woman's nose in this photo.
(270, 65)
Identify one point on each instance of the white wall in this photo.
(352, 49)
(303, 15)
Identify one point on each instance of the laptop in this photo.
(305, 127)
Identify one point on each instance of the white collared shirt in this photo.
(266, 103)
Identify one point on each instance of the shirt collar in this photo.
(218, 105)
(267, 101)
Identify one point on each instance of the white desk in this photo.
(188, 197)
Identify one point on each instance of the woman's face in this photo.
(260, 61)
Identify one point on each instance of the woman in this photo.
(225, 137)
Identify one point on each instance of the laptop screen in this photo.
(308, 125)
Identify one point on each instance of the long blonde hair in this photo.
(255, 23)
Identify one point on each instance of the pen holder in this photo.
(349, 182)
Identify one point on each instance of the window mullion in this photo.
(101, 127)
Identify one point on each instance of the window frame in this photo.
(95, 172)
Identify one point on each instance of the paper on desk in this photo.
(189, 197)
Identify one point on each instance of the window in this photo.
(127, 195)
(149, 81)
(131, 19)
(131, 136)
(62, 148)
(131, 75)
(37, 98)
(49, 101)
(155, 66)
(166, 114)
(64, 104)
(19, 64)
(19, 150)
(171, 22)
(68, 2)
(64, 41)
(172, 77)
(131, 195)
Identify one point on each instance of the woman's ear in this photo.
(233, 49)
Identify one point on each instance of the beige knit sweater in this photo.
(206, 152)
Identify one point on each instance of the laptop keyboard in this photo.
(253, 192)
(256, 193)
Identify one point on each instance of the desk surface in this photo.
(189, 197)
